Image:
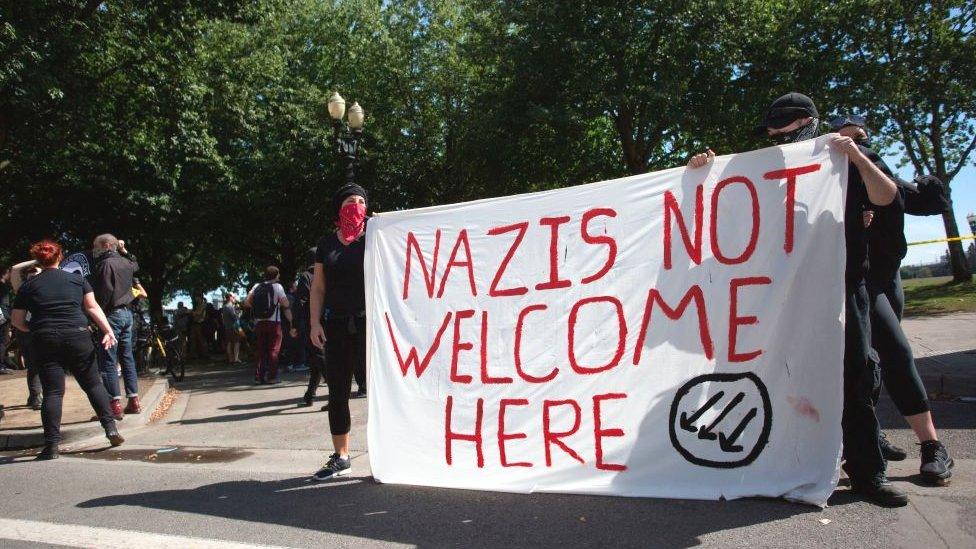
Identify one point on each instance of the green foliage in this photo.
(197, 130)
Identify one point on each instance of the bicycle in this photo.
(164, 353)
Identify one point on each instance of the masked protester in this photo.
(338, 286)
(886, 249)
(790, 119)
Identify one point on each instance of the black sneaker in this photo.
(880, 492)
(49, 452)
(359, 394)
(305, 402)
(936, 463)
(889, 451)
(335, 467)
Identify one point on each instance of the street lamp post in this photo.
(347, 134)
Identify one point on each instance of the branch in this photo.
(962, 161)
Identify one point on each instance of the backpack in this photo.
(263, 302)
(928, 197)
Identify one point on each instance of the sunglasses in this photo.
(841, 121)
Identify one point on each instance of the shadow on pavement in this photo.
(441, 517)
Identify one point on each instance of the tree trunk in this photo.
(961, 271)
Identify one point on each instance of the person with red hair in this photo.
(58, 302)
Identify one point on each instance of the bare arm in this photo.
(18, 317)
(286, 308)
(142, 291)
(248, 300)
(316, 298)
(881, 189)
(16, 273)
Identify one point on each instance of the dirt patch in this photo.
(168, 455)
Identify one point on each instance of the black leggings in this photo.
(897, 364)
(71, 349)
(345, 356)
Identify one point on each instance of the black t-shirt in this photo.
(345, 286)
(54, 299)
(855, 233)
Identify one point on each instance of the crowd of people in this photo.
(320, 318)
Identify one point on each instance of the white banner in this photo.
(673, 334)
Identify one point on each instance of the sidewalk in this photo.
(21, 426)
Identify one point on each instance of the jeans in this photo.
(898, 370)
(268, 350)
(55, 351)
(862, 381)
(120, 320)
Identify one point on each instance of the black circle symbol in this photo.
(746, 402)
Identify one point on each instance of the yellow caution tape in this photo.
(954, 239)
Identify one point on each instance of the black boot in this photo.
(50, 451)
(879, 491)
(113, 436)
(889, 451)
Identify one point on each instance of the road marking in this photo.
(76, 535)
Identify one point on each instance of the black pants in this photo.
(862, 382)
(345, 357)
(898, 370)
(34, 388)
(315, 359)
(56, 351)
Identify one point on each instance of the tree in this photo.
(914, 62)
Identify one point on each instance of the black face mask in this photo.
(800, 134)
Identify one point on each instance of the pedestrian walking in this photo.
(268, 304)
(58, 302)
(338, 286)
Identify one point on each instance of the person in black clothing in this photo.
(314, 356)
(113, 277)
(886, 249)
(58, 302)
(793, 118)
(338, 286)
(18, 274)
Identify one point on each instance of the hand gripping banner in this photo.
(673, 334)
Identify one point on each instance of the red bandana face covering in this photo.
(351, 220)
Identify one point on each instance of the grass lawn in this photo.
(933, 296)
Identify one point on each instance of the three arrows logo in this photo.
(725, 441)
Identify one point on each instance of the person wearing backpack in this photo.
(926, 195)
(268, 302)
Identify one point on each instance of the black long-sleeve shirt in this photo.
(112, 280)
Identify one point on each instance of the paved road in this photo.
(239, 475)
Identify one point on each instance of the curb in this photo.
(74, 433)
